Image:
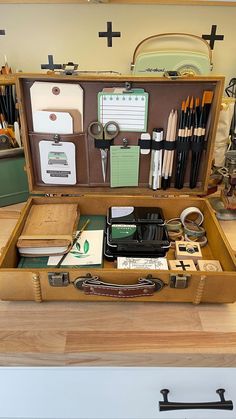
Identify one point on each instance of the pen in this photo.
(156, 159)
(73, 242)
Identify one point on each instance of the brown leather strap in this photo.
(169, 34)
(144, 287)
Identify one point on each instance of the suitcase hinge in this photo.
(58, 279)
(179, 281)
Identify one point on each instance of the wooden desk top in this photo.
(116, 334)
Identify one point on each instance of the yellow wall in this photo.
(70, 32)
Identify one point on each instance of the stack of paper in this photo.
(49, 230)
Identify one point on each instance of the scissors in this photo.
(107, 132)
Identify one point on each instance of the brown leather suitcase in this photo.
(44, 283)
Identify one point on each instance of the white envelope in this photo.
(50, 95)
(53, 122)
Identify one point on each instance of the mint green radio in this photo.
(184, 53)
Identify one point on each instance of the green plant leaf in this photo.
(86, 246)
(78, 246)
(80, 256)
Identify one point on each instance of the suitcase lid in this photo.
(89, 171)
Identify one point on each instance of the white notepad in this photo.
(129, 110)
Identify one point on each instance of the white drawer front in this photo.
(112, 393)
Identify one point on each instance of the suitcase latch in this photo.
(179, 281)
(58, 279)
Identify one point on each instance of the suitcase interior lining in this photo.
(89, 172)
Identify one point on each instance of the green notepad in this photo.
(124, 163)
(97, 222)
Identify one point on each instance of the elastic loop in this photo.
(102, 143)
(144, 144)
(157, 145)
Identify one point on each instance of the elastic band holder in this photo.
(102, 143)
(158, 145)
(185, 146)
(169, 145)
(144, 144)
(197, 146)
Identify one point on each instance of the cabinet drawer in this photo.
(112, 393)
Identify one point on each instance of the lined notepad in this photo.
(124, 166)
(129, 110)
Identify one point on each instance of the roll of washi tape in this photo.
(202, 241)
(172, 243)
(174, 224)
(173, 235)
(192, 214)
(194, 230)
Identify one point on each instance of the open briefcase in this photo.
(39, 282)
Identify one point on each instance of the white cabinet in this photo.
(111, 393)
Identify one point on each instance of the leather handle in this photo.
(94, 286)
(169, 34)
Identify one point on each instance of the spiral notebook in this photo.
(128, 108)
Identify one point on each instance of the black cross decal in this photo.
(182, 265)
(213, 37)
(109, 34)
(51, 65)
(2, 32)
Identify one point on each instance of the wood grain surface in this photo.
(119, 334)
(116, 334)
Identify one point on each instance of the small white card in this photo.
(51, 122)
(87, 250)
(142, 263)
(57, 162)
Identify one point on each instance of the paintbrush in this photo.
(200, 137)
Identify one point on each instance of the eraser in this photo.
(145, 136)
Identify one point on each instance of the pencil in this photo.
(164, 163)
(172, 151)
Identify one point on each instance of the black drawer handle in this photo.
(221, 405)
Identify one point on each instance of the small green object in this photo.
(124, 166)
(122, 231)
(14, 184)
